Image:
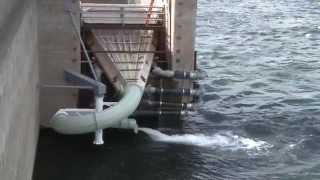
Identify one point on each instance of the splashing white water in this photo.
(224, 140)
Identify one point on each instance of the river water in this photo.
(260, 115)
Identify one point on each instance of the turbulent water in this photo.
(263, 58)
(260, 115)
(226, 140)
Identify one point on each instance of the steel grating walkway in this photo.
(126, 49)
(122, 40)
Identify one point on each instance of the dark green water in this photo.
(260, 115)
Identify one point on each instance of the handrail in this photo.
(122, 14)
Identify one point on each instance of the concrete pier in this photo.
(18, 88)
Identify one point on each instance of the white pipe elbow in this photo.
(80, 121)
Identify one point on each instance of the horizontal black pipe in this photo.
(172, 92)
(160, 113)
(193, 75)
(159, 104)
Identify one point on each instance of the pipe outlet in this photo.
(127, 124)
(194, 75)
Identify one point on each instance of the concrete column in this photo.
(59, 49)
(18, 88)
(183, 22)
(183, 25)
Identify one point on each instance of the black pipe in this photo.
(159, 113)
(159, 104)
(172, 92)
(183, 75)
(195, 75)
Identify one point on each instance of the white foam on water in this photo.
(225, 140)
(308, 35)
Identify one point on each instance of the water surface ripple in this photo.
(263, 58)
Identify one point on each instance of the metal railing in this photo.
(124, 14)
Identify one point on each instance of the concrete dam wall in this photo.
(18, 88)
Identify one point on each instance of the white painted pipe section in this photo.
(127, 124)
(67, 122)
(98, 136)
(98, 140)
(109, 103)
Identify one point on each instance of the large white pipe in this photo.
(98, 136)
(78, 123)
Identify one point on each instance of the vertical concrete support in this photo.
(59, 49)
(18, 88)
(183, 22)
